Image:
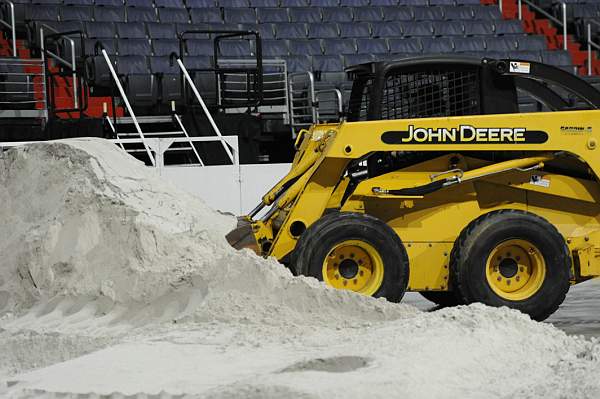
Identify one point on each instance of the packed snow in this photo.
(114, 282)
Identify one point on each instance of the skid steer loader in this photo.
(436, 183)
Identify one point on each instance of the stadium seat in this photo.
(205, 15)
(355, 29)
(373, 46)
(157, 30)
(173, 15)
(367, 14)
(298, 63)
(307, 47)
(323, 30)
(110, 14)
(201, 3)
(438, 45)
(138, 14)
(131, 30)
(95, 30)
(336, 14)
(239, 15)
(140, 85)
(384, 3)
(354, 3)
(290, 31)
(108, 3)
(478, 27)
(448, 28)
(78, 13)
(302, 14)
(235, 48)
(502, 43)
(325, 3)
(411, 45)
(274, 48)
(387, 29)
(486, 12)
(197, 47)
(338, 46)
(397, 13)
(425, 13)
(134, 47)
(233, 3)
(421, 28)
(508, 27)
(355, 59)
(458, 13)
(465, 44)
(272, 15)
(530, 42)
(294, 3)
(164, 47)
(169, 3)
(264, 3)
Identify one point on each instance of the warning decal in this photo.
(520, 67)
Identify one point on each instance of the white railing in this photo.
(303, 112)
(10, 24)
(128, 106)
(590, 44)
(190, 82)
(562, 23)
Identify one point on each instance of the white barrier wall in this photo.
(228, 188)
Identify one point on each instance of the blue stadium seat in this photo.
(173, 15)
(468, 2)
(138, 3)
(501, 43)
(235, 48)
(239, 15)
(205, 15)
(138, 14)
(76, 2)
(355, 29)
(78, 13)
(294, 3)
(557, 58)
(508, 27)
(367, 14)
(438, 45)
(354, 3)
(325, 3)
(441, 2)
(448, 28)
(384, 3)
(110, 14)
(327, 63)
(486, 12)
(525, 55)
(298, 63)
(411, 45)
(266, 31)
(355, 59)
(428, 13)
(233, 3)
(479, 27)
(199, 47)
(464, 44)
(388, 29)
(201, 3)
(305, 14)
(157, 30)
(109, 3)
(169, 3)
(272, 15)
(534, 42)
(290, 31)
(373, 46)
(95, 30)
(338, 46)
(131, 30)
(420, 28)
(274, 48)
(307, 47)
(164, 47)
(264, 3)
(397, 13)
(110, 45)
(458, 13)
(181, 28)
(336, 14)
(133, 64)
(134, 47)
(323, 30)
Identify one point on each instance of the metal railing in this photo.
(591, 44)
(303, 112)
(117, 83)
(22, 92)
(233, 86)
(562, 24)
(8, 8)
(330, 105)
(57, 37)
(189, 81)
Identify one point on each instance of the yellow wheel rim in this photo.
(515, 270)
(354, 265)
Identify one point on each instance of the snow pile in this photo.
(86, 220)
(93, 240)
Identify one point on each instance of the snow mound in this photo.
(91, 226)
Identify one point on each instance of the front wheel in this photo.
(515, 259)
(354, 252)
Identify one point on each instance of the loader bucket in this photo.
(242, 237)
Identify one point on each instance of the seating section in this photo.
(323, 36)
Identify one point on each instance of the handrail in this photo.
(128, 105)
(339, 102)
(11, 25)
(72, 65)
(551, 17)
(310, 98)
(591, 44)
(189, 80)
(184, 130)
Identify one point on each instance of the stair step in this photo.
(146, 119)
(153, 134)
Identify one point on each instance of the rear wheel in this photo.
(354, 252)
(512, 258)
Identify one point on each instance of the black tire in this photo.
(479, 239)
(444, 299)
(321, 237)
